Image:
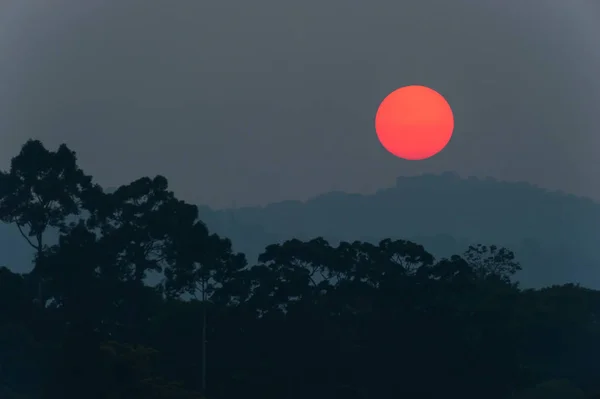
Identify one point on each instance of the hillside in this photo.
(553, 234)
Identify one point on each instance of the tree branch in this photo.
(27, 238)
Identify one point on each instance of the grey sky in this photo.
(250, 102)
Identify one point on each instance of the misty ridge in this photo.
(553, 234)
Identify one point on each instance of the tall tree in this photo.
(42, 190)
(200, 262)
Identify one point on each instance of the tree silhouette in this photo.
(492, 262)
(141, 300)
(41, 190)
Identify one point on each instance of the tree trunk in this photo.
(203, 339)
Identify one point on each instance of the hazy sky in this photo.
(250, 102)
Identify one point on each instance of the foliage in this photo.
(357, 319)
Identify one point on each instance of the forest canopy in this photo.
(354, 320)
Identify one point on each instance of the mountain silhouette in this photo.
(553, 234)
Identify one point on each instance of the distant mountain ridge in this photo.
(554, 235)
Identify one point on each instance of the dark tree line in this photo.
(309, 320)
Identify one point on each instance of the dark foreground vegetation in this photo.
(310, 320)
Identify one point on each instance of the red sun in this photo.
(414, 122)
